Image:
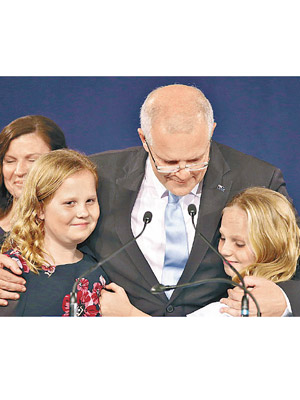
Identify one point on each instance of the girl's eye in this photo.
(69, 203)
(222, 238)
(240, 244)
(91, 201)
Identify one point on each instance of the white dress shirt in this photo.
(153, 196)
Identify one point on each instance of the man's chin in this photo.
(179, 190)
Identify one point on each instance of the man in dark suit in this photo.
(179, 156)
(176, 129)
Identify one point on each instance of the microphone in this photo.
(245, 303)
(147, 218)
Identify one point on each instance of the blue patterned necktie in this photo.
(177, 252)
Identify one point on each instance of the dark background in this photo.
(256, 115)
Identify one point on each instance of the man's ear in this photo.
(142, 137)
(212, 131)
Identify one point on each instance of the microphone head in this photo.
(147, 218)
(157, 288)
(192, 210)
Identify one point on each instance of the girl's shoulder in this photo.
(15, 255)
(89, 261)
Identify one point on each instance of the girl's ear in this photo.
(40, 214)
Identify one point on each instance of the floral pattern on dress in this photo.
(16, 256)
(48, 270)
(87, 301)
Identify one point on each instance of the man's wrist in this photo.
(288, 310)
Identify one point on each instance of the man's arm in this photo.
(269, 296)
(278, 184)
(10, 282)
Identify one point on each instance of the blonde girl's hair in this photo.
(45, 177)
(273, 233)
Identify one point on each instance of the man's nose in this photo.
(183, 173)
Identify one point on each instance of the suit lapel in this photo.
(216, 188)
(127, 188)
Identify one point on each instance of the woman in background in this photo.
(58, 209)
(22, 142)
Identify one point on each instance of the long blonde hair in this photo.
(273, 233)
(46, 176)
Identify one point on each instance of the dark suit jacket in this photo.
(120, 176)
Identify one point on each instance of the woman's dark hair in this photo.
(51, 133)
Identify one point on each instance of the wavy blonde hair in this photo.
(46, 176)
(273, 233)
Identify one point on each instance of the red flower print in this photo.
(83, 284)
(97, 287)
(87, 302)
(66, 305)
(91, 311)
(83, 296)
(49, 270)
(16, 256)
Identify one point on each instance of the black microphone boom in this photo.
(147, 218)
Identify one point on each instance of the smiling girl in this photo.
(58, 210)
(259, 237)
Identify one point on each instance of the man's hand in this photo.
(268, 295)
(115, 303)
(9, 282)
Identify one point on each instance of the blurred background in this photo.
(259, 116)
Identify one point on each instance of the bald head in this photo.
(181, 107)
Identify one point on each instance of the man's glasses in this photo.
(173, 169)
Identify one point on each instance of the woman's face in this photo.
(234, 243)
(72, 213)
(21, 154)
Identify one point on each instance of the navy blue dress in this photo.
(48, 293)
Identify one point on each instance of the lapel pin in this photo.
(220, 187)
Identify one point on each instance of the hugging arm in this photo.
(10, 282)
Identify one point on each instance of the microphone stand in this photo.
(147, 218)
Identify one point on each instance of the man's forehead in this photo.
(180, 147)
(165, 128)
